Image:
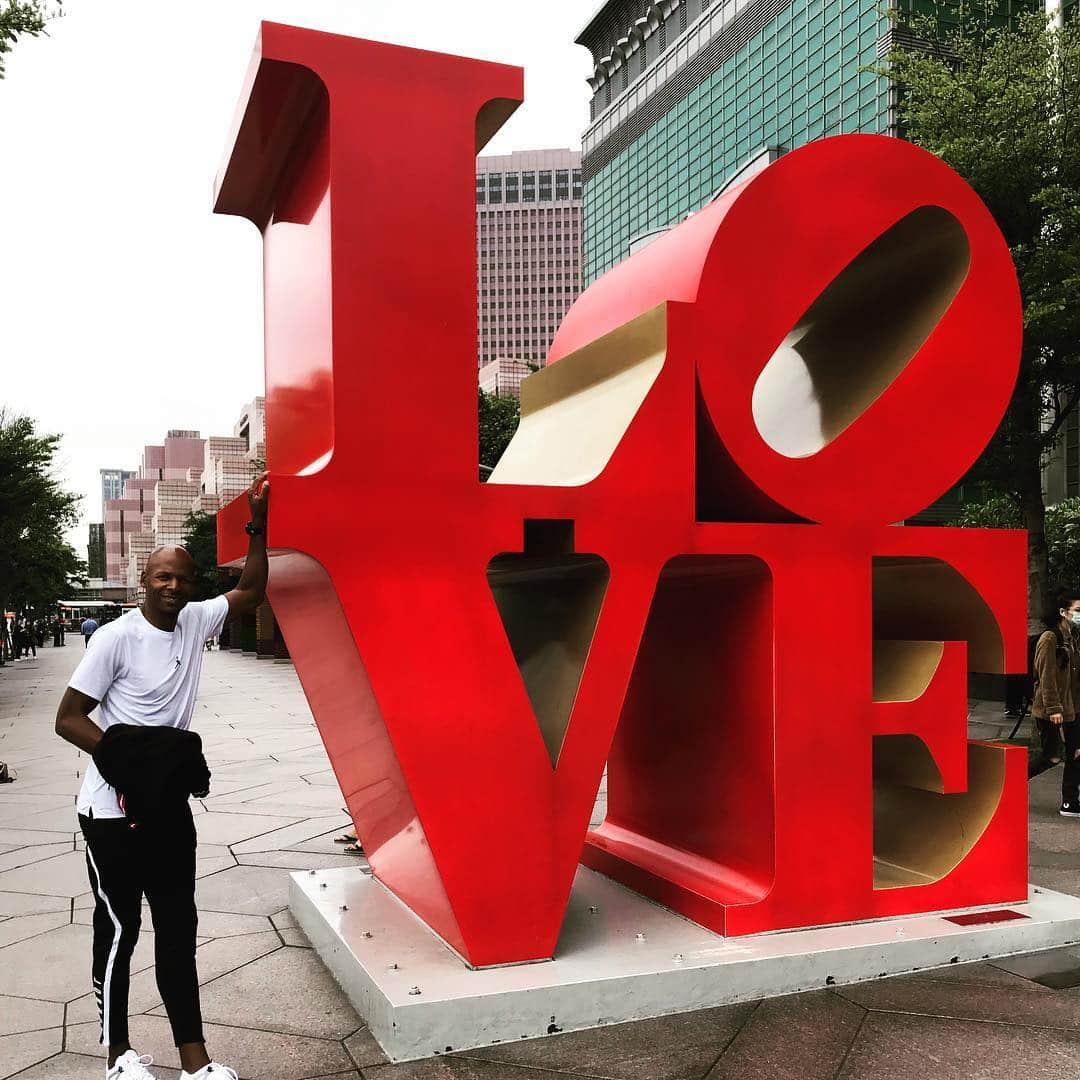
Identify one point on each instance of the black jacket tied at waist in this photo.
(155, 769)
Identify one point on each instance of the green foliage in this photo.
(499, 418)
(997, 512)
(999, 101)
(200, 539)
(37, 566)
(1062, 531)
(1001, 105)
(17, 18)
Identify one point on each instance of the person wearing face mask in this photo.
(1057, 679)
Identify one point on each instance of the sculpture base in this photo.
(620, 958)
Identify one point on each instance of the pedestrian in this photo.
(56, 629)
(89, 625)
(1056, 671)
(144, 671)
(24, 640)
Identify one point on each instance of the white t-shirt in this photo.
(143, 675)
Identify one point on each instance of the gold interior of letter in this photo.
(575, 412)
(860, 333)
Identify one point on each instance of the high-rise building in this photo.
(112, 483)
(135, 511)
(503, 377)
(95, 550)
(688, 93)
(528, 248)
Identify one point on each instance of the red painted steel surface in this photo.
(729, 678)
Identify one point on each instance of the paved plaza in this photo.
(273, 1012)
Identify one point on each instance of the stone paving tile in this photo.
(220, 924)
(293, 935)
(283, 918)
(301, 860)
(1055, 968)
(24, 856)
(27, 926)
(62, 820)
(1063, 881)
(667, 1047)
(28, 837)
(244, 890)
(12, 904)
(18, 1052)
(263, 994)
(996, 1004)
(989, 973)
(364, 1049)
(226, 828)
(802, 1037)
(55, 965)
(19, 805)
(62, 875)
(81, 1067)
(226, 954)
(213, 864)
(305, 795)
(461, 1068)
(21, 1014)
(923, 1046)
(256, 1055)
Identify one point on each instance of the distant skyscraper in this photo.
(528, 242)
(178, 462)
(689, 94)
(112, 483)
(95, 551)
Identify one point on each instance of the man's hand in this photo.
(1057, 718)
(259, 498)
(251, 588)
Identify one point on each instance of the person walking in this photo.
(89, 625)
(143, 672)
(1056, 670)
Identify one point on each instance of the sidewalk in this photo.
(275, 1014)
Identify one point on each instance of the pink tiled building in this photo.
(528, 250)
(136, 509)
(186, 472)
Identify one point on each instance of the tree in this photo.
(18, 18)
(37, 566)
(1000, 103)
(200, 539)
(499, 417)
(1062, 533)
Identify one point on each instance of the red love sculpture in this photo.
(682, 567)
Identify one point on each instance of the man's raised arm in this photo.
(250, 590)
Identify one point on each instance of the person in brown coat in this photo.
(1056, 670)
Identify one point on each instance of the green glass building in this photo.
(689, 93)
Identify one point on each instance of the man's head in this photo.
(169, 580)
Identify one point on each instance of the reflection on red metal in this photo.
(683, 566)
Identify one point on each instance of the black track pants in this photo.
(124, 863)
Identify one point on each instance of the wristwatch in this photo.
(254, 530)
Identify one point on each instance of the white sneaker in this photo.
(209, 1072)
(130, 1066)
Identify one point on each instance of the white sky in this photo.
(126, 306)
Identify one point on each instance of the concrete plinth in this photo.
(620, 958)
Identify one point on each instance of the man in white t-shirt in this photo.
(143, 669)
